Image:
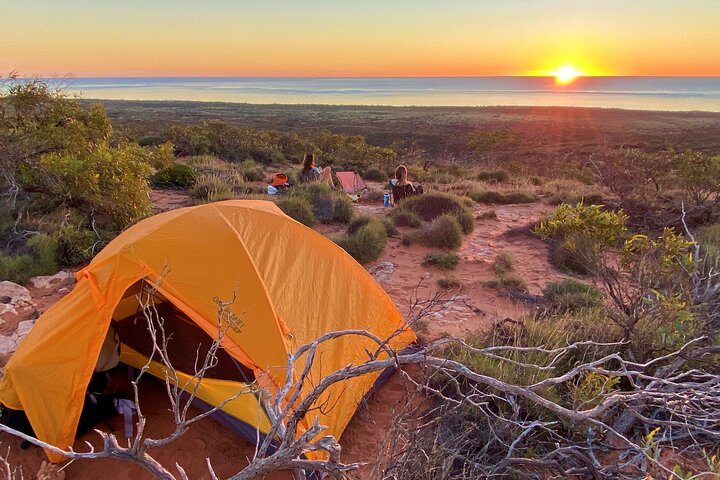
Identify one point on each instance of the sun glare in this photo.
(566, 74)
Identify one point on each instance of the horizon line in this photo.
(70, 76)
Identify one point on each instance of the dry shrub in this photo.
(563, 190)
(448, 282)
(406, 219)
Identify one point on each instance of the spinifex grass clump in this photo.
(365, 239)
(442, 232)
(570, 296)
(298, 208)
(432, 205)
(327, 205)
(505, 276)
(492, 196)
(446, 260)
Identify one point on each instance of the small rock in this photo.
(46, 281)
(382, 271)
(19, 297)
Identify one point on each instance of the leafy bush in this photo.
(298, 208)
(492, 176)
(374, 174)
(150, 141)
(367, 242)
(406, 219)
(74, 245)
(570, 296)
(111, 181)
(446, 260)
(432, 205)
(443, 232)
(176, 175)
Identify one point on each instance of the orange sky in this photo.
(363, 38)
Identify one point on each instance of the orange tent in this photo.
(292, 285)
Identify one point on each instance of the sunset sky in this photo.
(358, 38)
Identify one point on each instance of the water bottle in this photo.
(386, 199)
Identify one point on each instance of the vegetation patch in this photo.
(366, 242)
(442, 232)
(176, 175)
(570, 296)
(493, 196)
(492, 176)
(298, 208)
(430, 206)
(446, 260)
(505, 276)
(374, 174)
(448, 282)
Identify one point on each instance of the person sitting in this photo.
(311, 173)
(401, 187)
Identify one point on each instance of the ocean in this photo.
(638, 93)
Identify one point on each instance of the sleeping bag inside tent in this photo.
(290, 285)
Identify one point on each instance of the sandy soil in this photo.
(398, 270)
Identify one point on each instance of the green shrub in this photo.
(406, 219)
(432, 205)
(150, 141)
(358, 222)
(492, 176)
(109, 180)
(299, 209)
(374, 174)
(176, 175)
(443, 232)
(212, 188)
(367, 242)
(448, 282)
(343, 211)
(446, 260)
(74, 245)
(571, 295)
(519, 196)
(42, 260)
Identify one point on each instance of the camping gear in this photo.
(279, 179)
(351, 182)
(272, 190)
(386, 199)
(291, 285)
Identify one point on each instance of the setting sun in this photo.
(566, 74)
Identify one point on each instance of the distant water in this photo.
(642, 93)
